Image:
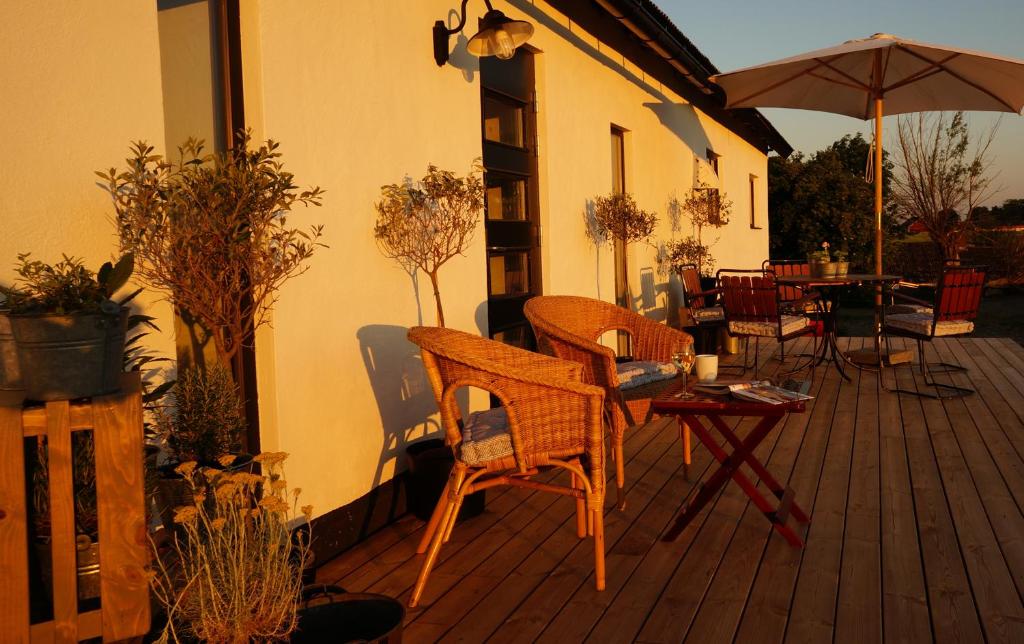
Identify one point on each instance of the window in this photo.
(505, 197)
(621, 271)
(753, 201)
(713, 160)
(503, 120)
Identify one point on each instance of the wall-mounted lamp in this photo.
(498, 36)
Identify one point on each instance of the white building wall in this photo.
(78, 85)
(353, 94)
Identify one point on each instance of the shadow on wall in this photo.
(681, 120)
(459, 57)
(404, 398)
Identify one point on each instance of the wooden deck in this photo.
(916, 533)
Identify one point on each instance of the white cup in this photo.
(707, 368)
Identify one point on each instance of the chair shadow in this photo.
(403, 394)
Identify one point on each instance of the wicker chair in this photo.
(569, 327)
(548, 417)
(957, 299)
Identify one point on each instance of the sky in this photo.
(741, 33)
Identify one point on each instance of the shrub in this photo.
(203, 421)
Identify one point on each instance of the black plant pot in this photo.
(332, 615)
(430, 463)
(63, 357)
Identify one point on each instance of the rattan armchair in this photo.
(569, 327)
(548, 418)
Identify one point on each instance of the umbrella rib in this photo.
(930, 70)
(837, 81)
(960, 78)
(782, 82)
(852, 79)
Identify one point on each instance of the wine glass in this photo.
(683, 358)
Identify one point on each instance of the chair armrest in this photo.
(708, 293)
(907, 298)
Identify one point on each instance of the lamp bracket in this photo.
(442, 33)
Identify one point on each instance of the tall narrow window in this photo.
(618, 141)
(753, 201)
(508, 128)
(713, 159)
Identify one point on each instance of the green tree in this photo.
(825, 198)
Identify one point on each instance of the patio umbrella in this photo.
(861, 78)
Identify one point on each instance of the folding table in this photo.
(714, 409)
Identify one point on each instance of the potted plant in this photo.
(618, 218)
(233, 574)
(423, 224)
(820, 262)
(212, 232)
(202, 424)
(10, 372)
(707, 208)
(842, 263)
(68, 333)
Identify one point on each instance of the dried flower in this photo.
(218, 523)
(185, 513)
(226, 460)
(186, 468)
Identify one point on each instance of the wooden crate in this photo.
(116, 422)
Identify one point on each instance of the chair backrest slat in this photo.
(959, 292)
(748, 296)
(690, 278)
(787, 267)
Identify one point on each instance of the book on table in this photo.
(761, 391)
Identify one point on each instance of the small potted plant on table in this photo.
(821, 262)
(68, 333)
(842, 263)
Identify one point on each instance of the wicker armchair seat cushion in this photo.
(899, 309)
(485, 437)
(642, 372)
(708, 314)
(790, 324)
(921, 323)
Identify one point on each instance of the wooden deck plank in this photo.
(859, 604)
(953, 613)
(719, 614)
(542, 548)
(995, 595)
(812, 613)
(766, 613)
(905, 616)
(916, 533)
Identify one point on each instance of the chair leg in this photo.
(460, 495)
(435, 517)
(598, 518)
(942, 390)
(620, 474)
(684, 432)
(581, 509)
(458, 475)
(757, 349)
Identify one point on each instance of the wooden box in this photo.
(116, 422)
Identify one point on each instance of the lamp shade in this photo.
(499, 35)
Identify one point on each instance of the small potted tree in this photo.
(423, 224)
(707, 208)
(618, 218)
(68, 333)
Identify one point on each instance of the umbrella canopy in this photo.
(910, 76)
(862, 78)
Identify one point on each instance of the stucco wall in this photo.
(78, 85)
(340, 388)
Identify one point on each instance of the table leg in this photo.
(730, 469)
(762, 472)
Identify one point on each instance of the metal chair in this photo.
(700, 309)
(753, 309)
(957, 300)
(548, 418)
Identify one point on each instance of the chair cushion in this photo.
(898, 309)
(708, 314)
(790, 324)
(485, 437)
(922, 324)
(642, 372)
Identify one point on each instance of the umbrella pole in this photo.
(878, 220)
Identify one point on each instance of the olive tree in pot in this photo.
(423, 224)
(618, 219)
(211, 232)
(707, 209)
(68, 333)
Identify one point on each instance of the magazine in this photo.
(765, 392)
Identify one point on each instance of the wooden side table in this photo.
(714, 409)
